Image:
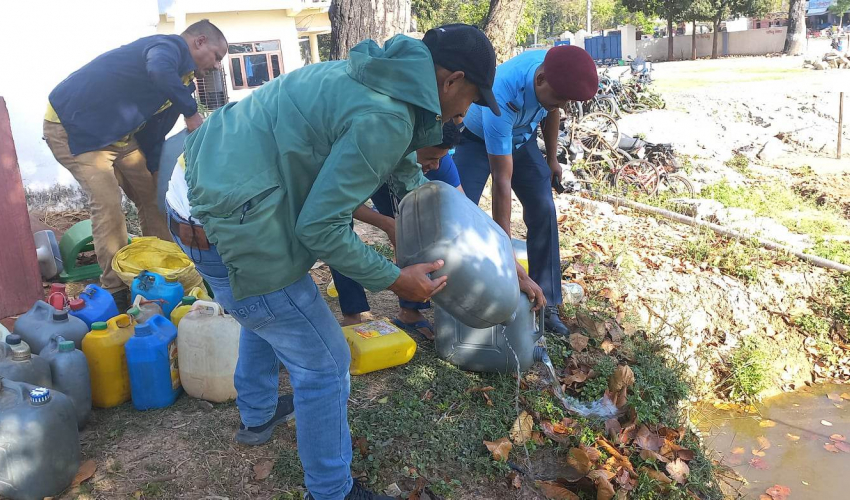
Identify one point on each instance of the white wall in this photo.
(43, 42)
(251, 26)
(749, 42)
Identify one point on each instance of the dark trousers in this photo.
(531, 181)
(352, 297)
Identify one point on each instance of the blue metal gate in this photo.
(605, 49)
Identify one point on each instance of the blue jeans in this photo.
(352, 297)
(532, 183)
(294, 326)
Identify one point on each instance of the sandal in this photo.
(417, 327)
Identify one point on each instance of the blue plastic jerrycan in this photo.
(152, 364)
(94, 304)
(153, 286)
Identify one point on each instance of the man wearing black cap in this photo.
(531, 87)
(272, 183)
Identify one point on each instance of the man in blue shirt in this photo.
(530, 88)
(437, 165)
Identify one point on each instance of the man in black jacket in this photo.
(106, 123)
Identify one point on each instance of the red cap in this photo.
(571, 73)
(76, 304)
(57, 287)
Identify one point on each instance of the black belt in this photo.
(472, 137)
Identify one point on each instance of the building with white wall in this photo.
(46, 40)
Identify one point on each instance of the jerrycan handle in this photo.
(540, 324)
(207, 307)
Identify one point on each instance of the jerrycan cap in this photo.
(66, 346)
(77, 304)
(188, 300)
(98, 325)
(39, 395)
(143, 329)
(60, 316)
(57, 287)
(13, 339)
(171, 279)
(134, 311)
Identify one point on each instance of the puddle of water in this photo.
(803, 465)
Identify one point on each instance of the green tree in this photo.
(698, 11)
(720, 10)
(840, 7)
(671, 10)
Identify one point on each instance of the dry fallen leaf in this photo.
(792, 437)
(837, 437)
(759, 464)
(612, 429)
(767, 423)
(651, 456)
(679, 471)
(362, 446)
(560, 428)
(604, 488)
(845, 396)
(592, 453)
(841, 445)
(758, 453)
(500, 449)
(778, 492)
(549, 432)
(830, 447)
(657, 475)
(763, 442)
(578, 342)
(737, 451)
(263, 469)
(596, 329)
(555, 491)
(607, 346)
(686, 455)
(85, 471)
(826, 423)
(833, 397)
(648, 440)
(521, 430)
(515, 480)
(622, 377)
(578, 465)
(416, 494)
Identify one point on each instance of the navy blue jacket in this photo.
(118, 91)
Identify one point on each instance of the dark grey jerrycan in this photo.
(70, 373)
(495, 349)
(436, 221)
(43, 322)
(18, 363)
(40, 442)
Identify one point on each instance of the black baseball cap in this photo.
(461, 47)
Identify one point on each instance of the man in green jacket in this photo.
(274, 179)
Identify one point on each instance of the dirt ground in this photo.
(714, 109)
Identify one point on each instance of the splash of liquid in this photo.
(603, 408)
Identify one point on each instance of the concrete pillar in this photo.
(314, 48)
(628, 33)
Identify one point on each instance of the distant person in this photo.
(107, 121)
(530, 88)
(437, 165)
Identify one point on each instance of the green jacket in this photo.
(275, 177)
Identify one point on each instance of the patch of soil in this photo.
(828, 189)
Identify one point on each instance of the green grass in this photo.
(742, 260)
(660, 383)
(749, 369)
(739, 163)
(595, 387)
(798, 214)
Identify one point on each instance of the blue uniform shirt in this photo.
(521, 112)
(446, 172)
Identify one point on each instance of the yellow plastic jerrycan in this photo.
(520, 252)
(332, 291)
(181, 310)
(104, 350)
(376, 345)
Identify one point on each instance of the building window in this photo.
(211, 90)
(254, 63)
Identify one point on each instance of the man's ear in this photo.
(539, 79)
(200, 40)
(455, 77)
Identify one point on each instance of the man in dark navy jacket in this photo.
(107, 121)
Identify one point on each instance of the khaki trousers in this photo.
(101, 173)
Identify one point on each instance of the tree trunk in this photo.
(795, 38)
(694, 40)
(669, 38)
(714, 41)
(353, 21)
(501, 25)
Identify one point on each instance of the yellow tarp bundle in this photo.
(149, 253)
